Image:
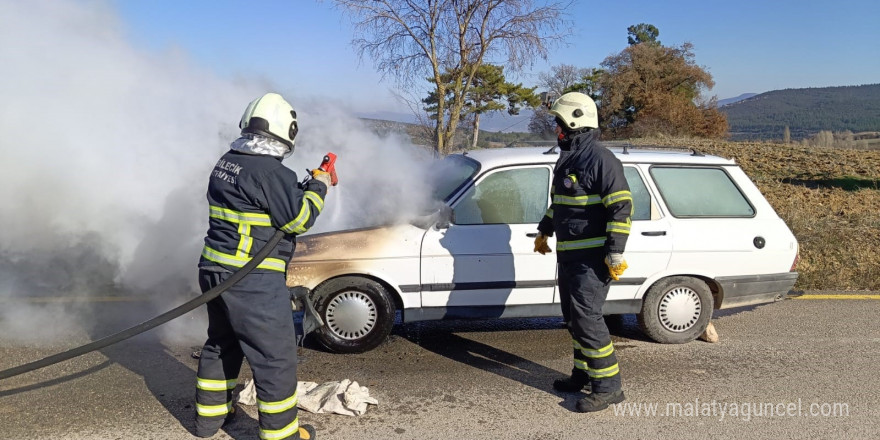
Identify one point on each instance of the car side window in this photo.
(640, 196)
(512, 196)
(700, 192)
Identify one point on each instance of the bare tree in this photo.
(411, 39)
(542, 123)
(423, 132)
(561, 78)
(825, 139)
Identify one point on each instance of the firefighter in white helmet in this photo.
(251, 195)
(590, 214)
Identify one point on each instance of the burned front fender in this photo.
(389, 253)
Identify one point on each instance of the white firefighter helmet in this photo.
(576, 111)
(271, 116)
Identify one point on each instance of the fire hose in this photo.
(152, 323)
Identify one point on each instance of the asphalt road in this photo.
(802, 368)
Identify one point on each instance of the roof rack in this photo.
(627, 146)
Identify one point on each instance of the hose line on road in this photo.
(152, 323)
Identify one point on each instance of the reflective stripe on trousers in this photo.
(252, 319)
(583, 287)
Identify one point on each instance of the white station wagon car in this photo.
(702, 238)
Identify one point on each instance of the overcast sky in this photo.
(304, 46)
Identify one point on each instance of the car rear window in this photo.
(700, 192)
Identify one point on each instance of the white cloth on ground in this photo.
(345, 397)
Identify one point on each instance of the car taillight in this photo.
(797, 256)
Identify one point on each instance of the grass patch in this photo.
(846, 183)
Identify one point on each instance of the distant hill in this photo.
(491, 122)
(739, 98)
(406, 118)
(805, 112)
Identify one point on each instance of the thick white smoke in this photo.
(106, 154)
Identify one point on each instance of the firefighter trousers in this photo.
(583, 287)
(253, 320)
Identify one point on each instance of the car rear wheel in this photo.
(358, 314)
(676, 310)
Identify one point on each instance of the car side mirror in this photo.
(445, 216)
(438, 218)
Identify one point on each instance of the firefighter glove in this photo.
(321, 176)
(616, 265)
(541, 244)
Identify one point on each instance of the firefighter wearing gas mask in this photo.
(251, 195)
(590, 215)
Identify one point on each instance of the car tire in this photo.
(358, 314)
(676, 310)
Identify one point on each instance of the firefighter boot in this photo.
(570, 384)
(599, 401)
(306, 432)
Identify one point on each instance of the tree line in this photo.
(462, 48)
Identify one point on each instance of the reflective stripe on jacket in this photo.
(591, 202)
(249, 198)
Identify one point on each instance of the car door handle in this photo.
(654, 233)
(531, 234)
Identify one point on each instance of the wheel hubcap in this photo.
(680, 308)
(351, 315)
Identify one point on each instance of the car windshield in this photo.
(450, 173)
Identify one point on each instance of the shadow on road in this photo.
(438, 337)
(625, 327)
(493, 360)
(170, 379)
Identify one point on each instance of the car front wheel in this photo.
(358, 314)
(676, 310)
